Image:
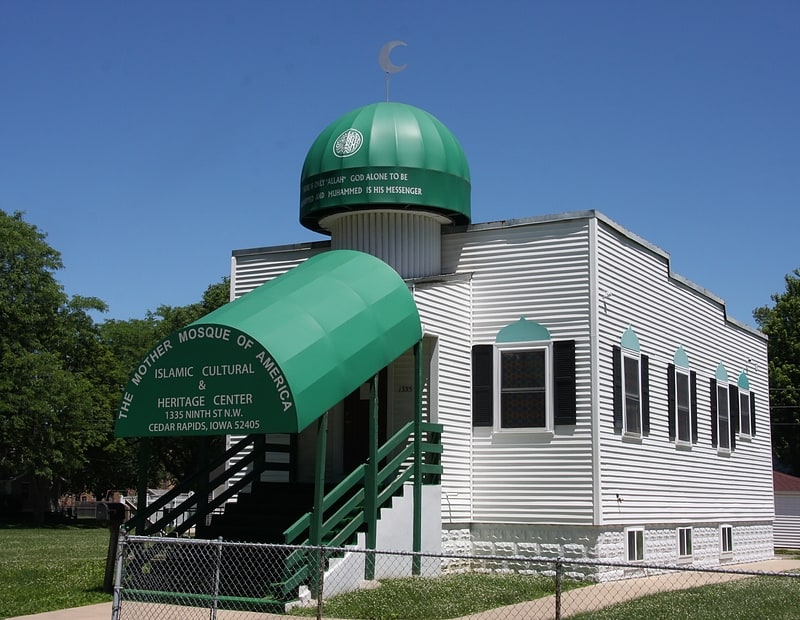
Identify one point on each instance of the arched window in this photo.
(525, 381)
(723, 435)
(746, 409)
(682, 400)
(631, 376)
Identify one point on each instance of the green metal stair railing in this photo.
(343, 512)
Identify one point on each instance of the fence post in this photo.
(559, 578)
(320, 581)
(117, 600)
(217, 570)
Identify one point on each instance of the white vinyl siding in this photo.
(445, 314)
(539, 272)
(787, 520)
(251, 268)
(666, 312)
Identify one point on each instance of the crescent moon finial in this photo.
(384, 59)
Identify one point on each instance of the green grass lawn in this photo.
(47, 568)
(449, 596)
(767, 598)
(772, 598)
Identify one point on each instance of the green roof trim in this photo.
(385, 155)
(523, 331)
(274, 360)
(630, 340)
(744, 382)
(681, 360)
(721, 374)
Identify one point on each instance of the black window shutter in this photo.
(713, 394)
(733, 397)
(671, 409)
(482, 385)
(693, 388)
(645, 367)
(616, 375)
(752, 413)
(564, 370)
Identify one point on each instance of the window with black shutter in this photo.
(482, 385)
(681, 405)
(631, 389)
(537, 385)
(724, 433)
(564, 375)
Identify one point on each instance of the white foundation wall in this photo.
(395, 533)
(504, 542)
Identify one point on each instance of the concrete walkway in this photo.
(594, 597)
(589, 598)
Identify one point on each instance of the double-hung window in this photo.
(745, 410)
(723, 418)
(524, 390)
(631, 381)
(631, 388)
(724, 412)
(744, 413)
(683, 421)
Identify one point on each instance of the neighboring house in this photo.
(787, 510)
(595, 404)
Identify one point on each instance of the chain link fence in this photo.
(183, 578)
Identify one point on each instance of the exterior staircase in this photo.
(283, 512)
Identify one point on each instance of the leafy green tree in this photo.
(781, 323)
(115, 466)
(53, 401)
(62, 375)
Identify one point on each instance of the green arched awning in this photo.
(276, 359)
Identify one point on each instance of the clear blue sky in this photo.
(150, 139)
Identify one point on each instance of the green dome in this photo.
(385, 155)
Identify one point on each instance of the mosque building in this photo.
(594, 403)
(577, 397)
